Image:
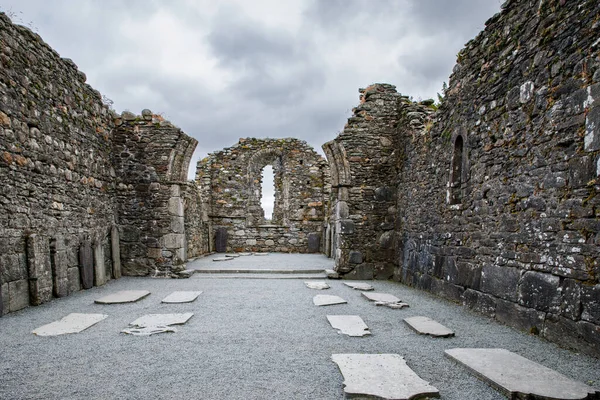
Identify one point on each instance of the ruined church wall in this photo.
(230, 190)
(151, 159)
(514, 231)
(363, 162)
(55, 171)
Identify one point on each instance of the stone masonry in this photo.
(230, 186)
(83, 188)
(496, 197)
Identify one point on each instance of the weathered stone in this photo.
(223, 258)
(72, 323)
(317, 285)
(99, 266)
(327, 300)
(18, 295)
(525, 319)
(86, 265)
(351, 325)
(115, 251)
(124, 296)
(427, 326)
(151, 320)
(314, 242)
(40, 270)
(385, 299)
(221, 240)
(359, 286)
(500, 281)
(181, 297)
(149, 330)
(518, 377)
(355, 257)
(382, 376)
(539, 290)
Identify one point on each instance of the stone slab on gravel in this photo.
(327, 300)
(351, 325)
(223, 258)
(72, 323)
(148, 330)
(516, 376)
(385, 299)
(123, 296)
(150, 320)
(232, 255)
(260, 254)
(181, 297)
(359, 286)
(427, 326)
(317, 285)
(382, 376)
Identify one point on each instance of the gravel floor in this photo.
(278, 261)
(248, 339)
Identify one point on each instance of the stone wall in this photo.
(55, 172)
(363, 166)
(151, 158)
(497, 192)
(230, 190)
(82, 188)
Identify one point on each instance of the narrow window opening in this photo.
(228, 178)
(301, 162)
(457, 172)
(267, 199)
(308, 182)
(52, 245)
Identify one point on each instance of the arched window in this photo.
(267, 200)
(456, 175)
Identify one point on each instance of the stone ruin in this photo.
(489, 199)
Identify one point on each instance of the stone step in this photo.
(259, 271)
(258, 276)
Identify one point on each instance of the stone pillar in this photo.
(40, 271)
(59, 264)
(115, 252)
(99, 266)
(86, 265)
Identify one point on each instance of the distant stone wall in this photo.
(230, 189)
(196, 221)
(56, 172)
(151, 158)
(363, 169)
(499, 201)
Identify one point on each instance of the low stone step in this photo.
(259, 271)
(258, 276)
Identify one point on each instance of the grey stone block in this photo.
(3, 298)
(115, 251)
(500, 281)
(360, 272)
(18, 295)
(525, 319)
(314, 242)
(480, 302)
(74, 283)
(99, 265)
(578, 336)
(346, 226)
(86, 264)
(355, 257)
(539, 290)
(590, 296)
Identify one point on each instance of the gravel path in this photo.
(248, 339)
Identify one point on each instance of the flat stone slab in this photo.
(327, 300)
(359, 286)
(317, 285)
(351, 325)
(226, 258)
(149, 330)
(181, 297)
(517, 377)
(232, 255)
(124, 296)
(72, 323)
(382, 376)
(331, 274)
(245, 254)
(427, 326)
(260, 254)
(385, 299)
(154, 320)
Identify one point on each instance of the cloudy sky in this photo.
(225, 69)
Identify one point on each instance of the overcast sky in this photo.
(221, 70)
